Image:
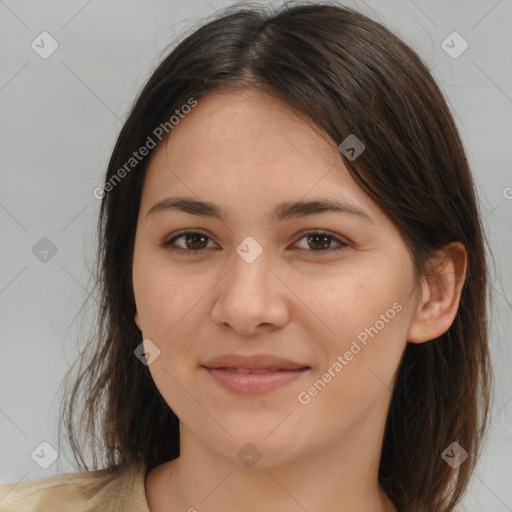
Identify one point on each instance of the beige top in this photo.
(88, 491)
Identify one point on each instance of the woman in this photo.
(292, 279)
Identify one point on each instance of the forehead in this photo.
(233, 147)
(248, 125)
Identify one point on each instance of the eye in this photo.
(195, 242)
(320, 241)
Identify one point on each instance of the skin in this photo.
(247, 152)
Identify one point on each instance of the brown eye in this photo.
(321, 241)
(193, 242)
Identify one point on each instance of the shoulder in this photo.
(117, 489)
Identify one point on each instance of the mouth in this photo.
(252, 382)
(258, 371)
(255, 374)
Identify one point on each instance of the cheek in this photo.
(169, 304)
(174, 308)
(165, 297)
(349, 299)
(361, 314)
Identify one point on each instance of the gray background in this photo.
(59, 120)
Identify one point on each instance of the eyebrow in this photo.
(282, 211)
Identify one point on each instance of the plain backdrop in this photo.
(59, 118)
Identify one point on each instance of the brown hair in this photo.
(349, 75)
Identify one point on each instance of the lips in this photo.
(254, 364)
(245, 370)
(253, 375)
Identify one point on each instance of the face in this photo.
(329, 291)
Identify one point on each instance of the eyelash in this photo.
(169, 244)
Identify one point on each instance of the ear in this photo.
(137, 320)
(440, 294)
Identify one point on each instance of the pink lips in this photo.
(232, 372)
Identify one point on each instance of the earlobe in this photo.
(440, 295)
(137, 320)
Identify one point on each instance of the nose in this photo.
(251, 298)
